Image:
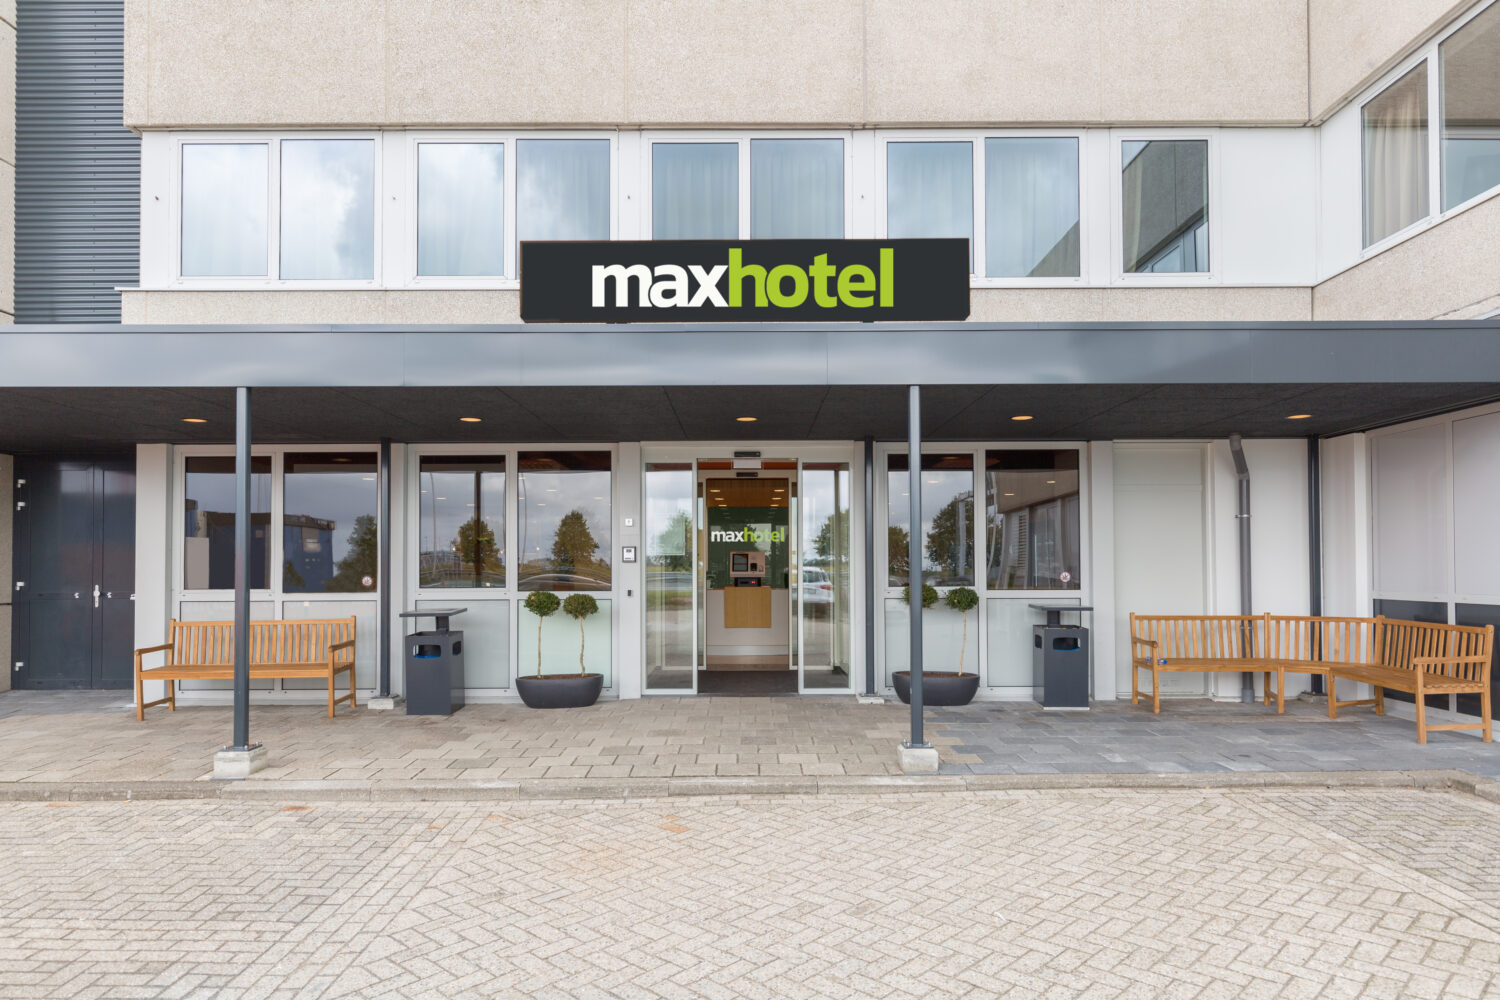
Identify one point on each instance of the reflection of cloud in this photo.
(328, 208)
(460, 208)
(562, 189)
(224, 198)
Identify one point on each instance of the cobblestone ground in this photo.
(1151, 894)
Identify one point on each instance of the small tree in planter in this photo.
(542, 604)
(580, 606)
(943, 688)
(559, 690)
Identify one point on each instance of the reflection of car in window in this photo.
(816, 586)
(563, 581)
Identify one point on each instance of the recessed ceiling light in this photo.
(1052, 482)
(1010, 494)
(1021, 416)
(442, 498)
(1299, 416)
(540, 504)
(469, 420)
(194, 420)
(746, 420)
(778, 489)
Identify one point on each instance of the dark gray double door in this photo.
(74, 612)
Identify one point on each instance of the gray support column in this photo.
(241, 569)
(870, 566)
(1315, 541)
(383, 683)
(914, 556)
(1242, 473)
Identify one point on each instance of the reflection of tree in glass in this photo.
(835, 529)
(898, 546)
(475, 546)
(672, 545)
(573, 546)
(948, 538)
(291, 578)
(362, 561)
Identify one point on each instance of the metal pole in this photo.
(914, 555)
(869, 566)
(241, 569)
(1242, 473)
(383, 599)
(1315, 542)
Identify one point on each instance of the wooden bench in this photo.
(1191, 644)
(1422, 658)
(1419, 658)
(319, 648)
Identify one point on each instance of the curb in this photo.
(560, 789)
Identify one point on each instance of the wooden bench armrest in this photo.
(346, 644)
(153, 649)
(1144, 642)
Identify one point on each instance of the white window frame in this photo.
(511, 592)
(1119, 276)
(510, 280)
(976, 138)
(742, 140)
(884, 592)
(272, 277)
(1429, 52)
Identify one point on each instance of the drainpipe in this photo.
(1242, 473)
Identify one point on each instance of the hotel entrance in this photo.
(748, 573)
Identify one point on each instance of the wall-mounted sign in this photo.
(763, 281)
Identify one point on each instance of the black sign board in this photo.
(763, 281)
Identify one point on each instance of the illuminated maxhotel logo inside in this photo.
(756, 535)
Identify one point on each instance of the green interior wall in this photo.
(770, 520)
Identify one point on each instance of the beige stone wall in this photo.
(1016, 305)
(7, 172)
(1450, 271)
(202, 63)
(1352, 41)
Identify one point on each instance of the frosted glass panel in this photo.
(562, 189)
(1411, 511)
(366, 639)
(561, 643)
(486, 629)
(1008, 638)
(695, 190)
(460, 208)
(224, 197)
(942, 639)
(1476, 513)
(221, 611)
(796, 189)
(328, 208)
(930, 190)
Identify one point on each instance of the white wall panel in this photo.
(1345, 498)
(486, 629)
(1267, 224)
(1476, 505)
(1412, 511)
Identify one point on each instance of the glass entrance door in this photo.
(822, 589)
(671, 544)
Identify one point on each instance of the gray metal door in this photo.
(74, 620)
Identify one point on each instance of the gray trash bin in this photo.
(1060, 660)
(434, 665)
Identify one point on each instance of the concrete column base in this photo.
(869, 699)
(917, 760)
(382, 704)
(234, 765)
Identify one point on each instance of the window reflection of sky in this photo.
(328, 208)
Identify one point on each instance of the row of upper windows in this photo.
(1463, 96)
(304, 209)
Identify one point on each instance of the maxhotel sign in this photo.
(716, 281)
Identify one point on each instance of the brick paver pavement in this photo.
(1182, 894)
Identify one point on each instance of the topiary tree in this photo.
(541, 603)
(580, 606)
(963, 600)
(929, 595)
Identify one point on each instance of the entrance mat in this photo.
(758, 683)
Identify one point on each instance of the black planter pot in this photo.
(938, 690)
(560, 690)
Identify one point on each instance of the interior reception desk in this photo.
(747, 623)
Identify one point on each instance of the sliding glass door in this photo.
(671, 557)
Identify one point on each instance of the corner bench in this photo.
(319, 648)
(1419, 658)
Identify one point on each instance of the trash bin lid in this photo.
(441, 614)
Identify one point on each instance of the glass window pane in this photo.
(1166, 205)
(1031, 520)
(1395, 156)
(930, 190)
(328, 208)
(208, 522)
(695, 190)
(461, 537)
(329, 538)
(224, 195)
(1471, 109)
(796, 189)
(564, 504)
(947, 520)
(823, 575)
(669, 576)
(562, 189)
(1031, 208)
(461, 208)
